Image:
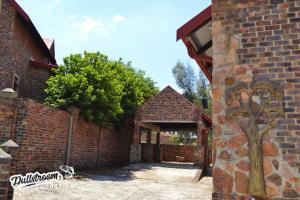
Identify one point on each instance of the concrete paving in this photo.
(142, 181)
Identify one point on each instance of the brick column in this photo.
(135, 147)
(158, 152)
(198, 149)
(12, 149)
(5, 161)
(73, 119)
(7, 115)
(148, 136)
(158, 138)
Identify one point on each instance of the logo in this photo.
(36, 178)
(30, 179)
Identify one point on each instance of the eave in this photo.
(189, 34)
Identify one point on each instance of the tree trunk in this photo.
(256, 184)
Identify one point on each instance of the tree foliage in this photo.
(107, 91)
(194, 88)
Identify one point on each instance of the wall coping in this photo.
(8, 93)
(4, 155)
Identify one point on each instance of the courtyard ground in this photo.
(142, 181)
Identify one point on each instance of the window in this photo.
(16, 83)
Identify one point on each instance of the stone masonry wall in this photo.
(169, 152)
(42, 134)
(252, 39)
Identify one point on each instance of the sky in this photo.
(143, 32)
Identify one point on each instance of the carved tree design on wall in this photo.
(255, 107)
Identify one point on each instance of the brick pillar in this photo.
(158, 152)
(73, 119)
(198, 149)
(7, 115)
(135, 147)
(12, 149)
(158, 138)
(148, 136)
(5, 161)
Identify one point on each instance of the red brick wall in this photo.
(169, 152)
(86, 137)
(148, 152)
(42, 134)
(253, 39)
(17, 47)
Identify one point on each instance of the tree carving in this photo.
(255, 107)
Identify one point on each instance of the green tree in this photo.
(106, 91)
(194, 88)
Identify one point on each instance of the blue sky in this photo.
(143, 32)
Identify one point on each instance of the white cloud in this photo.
(52, 5)
(117, 19)
(88, 26)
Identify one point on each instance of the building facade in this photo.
(255, 47)
(25, 58)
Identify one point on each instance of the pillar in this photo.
(148, 136)
(199, 160)
(5, 161)
(135, 147)
(12, 149)
(158, 150)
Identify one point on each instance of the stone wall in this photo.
(169, 152)
(256, 39)
(51, 137)
(17, 47)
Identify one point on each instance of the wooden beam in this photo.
(193, 54)
(150, 126)
(204, 58)
(204, 47)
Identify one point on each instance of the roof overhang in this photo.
(196, 34)
(33, 31)
(42, 65)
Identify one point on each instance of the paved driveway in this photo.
(163, 181)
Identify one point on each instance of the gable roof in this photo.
(197, 36)
(169, 106)
(23, 16)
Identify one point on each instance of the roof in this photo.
(194, 23)
(33, 31)
(49, 42)
(197, 36)
(38, 64)
(169, 106)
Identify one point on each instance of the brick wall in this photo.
(17, 47)
(42, 134)
(169, 152)
(148, 152)
(252, 39)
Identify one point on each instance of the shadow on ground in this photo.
(133, 171)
